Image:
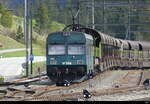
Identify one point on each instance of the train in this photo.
(75, 54)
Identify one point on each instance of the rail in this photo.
(56, 93)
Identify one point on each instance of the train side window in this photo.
(76, 49)
(56, 49)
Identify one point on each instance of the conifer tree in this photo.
(1, 7)
(42, 19)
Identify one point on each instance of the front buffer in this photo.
(71, 73)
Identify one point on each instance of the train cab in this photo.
(69, 56)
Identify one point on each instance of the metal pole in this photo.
(93, 21)
(129, 33)
(104, 16)
(31, 50)
(26, 34)
(87, 16)
(78, 7)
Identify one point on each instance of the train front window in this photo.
(76, 49)
(56, 49)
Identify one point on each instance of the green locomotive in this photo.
(77, 54)
(69, 56)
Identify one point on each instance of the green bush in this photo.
(1, 79)
(41, 65)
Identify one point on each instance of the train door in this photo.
(89, 56)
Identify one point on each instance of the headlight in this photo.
(53, 61)
(89, 95)
(84, 95)
(63, 63)
(79, 61)
(68, 63)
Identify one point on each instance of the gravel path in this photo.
(12, 67)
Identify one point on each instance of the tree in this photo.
(20, 35)
(59, 10)
(42, 18)
(1, 7)
(7, 19)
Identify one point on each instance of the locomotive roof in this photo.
(71, 36)
(88, 33)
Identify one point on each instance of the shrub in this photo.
(1, 79)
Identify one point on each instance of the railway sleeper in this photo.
(12, 89)
(3, 92)
(12, 97)
(30, 80)
(6, 84)
(30, 92)
(18, 90)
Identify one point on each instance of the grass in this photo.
(9, 43)
(36, 65)
(37, 51)
(39, 40)
(41, 65)
(16, 22)
(13, 54)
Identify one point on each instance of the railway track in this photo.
(143, 99)
(41, 91)
(131, 78)
(122, 89)
(55, 93)
(79, 95)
